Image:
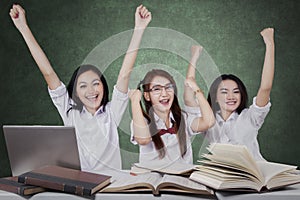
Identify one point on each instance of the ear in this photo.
(147, 96)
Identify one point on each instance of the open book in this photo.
(175, 168)
(232, 167)
(156, 183)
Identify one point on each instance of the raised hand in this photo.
(268, 35)
(135, 95)
(196, 51)
(17, 14)
(142, 17)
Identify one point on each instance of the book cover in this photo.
(65, 180)
(11, 184)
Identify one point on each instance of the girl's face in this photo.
(161, 94)
(228, 96)
(89, 90)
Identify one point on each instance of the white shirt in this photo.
(240, 128)
(97, 136)
(148, 153)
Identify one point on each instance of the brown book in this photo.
(66, 180)
(10, 184)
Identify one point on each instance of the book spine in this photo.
(54, 183)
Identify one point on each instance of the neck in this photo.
(225, 114)
(164, 116)
(92, 111)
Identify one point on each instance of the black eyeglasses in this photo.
(157, 89)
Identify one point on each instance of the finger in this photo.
(13, 13)
(138, 8)
(144, 12)
(149, 15)
(19, 8)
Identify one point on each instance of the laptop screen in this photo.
(31, 147)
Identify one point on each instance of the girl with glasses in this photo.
(163, 130)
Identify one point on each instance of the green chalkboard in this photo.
(72, 32)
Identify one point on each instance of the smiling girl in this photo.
(84, 102)
(235, 123)
(163, 130)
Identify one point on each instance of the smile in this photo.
(92, 97)
(164, 101)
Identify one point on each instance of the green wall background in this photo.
(228, 30)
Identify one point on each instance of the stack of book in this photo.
(55, 178)
(232, 168)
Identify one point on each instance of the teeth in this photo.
(164, 101)
(231, 103)
(92, 97)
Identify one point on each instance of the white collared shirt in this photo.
(97, 136)
(148, 153)
(240, 128)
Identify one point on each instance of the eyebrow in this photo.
(227, 89)
(162, 85)
(83, 82)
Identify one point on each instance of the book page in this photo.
(130, 183)
(220, 182)
(234, 155)
(271, 169)
(170, 168)
(182, 184)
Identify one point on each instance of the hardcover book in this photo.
(10, 184)
(66, 180)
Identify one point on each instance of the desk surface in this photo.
(102, 196)
(290, 192)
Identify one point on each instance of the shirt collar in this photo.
(98, 112)
(220, 119)
(160, 123)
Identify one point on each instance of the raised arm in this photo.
(17, 14)
(263, 94)
(142, 19)
(141, 131)
(189, 96)
(207, 118)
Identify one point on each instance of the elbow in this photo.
(205, 124)
(211, 122)
(142, 141)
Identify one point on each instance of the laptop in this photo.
(31, 147)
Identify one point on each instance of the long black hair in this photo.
(179, 122)
(73, 82)
(212, 96)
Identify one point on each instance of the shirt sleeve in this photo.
(119, 103)
(132, 140)
(258, 114)
(191, 114)
(61, 100)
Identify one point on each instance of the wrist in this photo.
(139, 28)
(198, 91)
